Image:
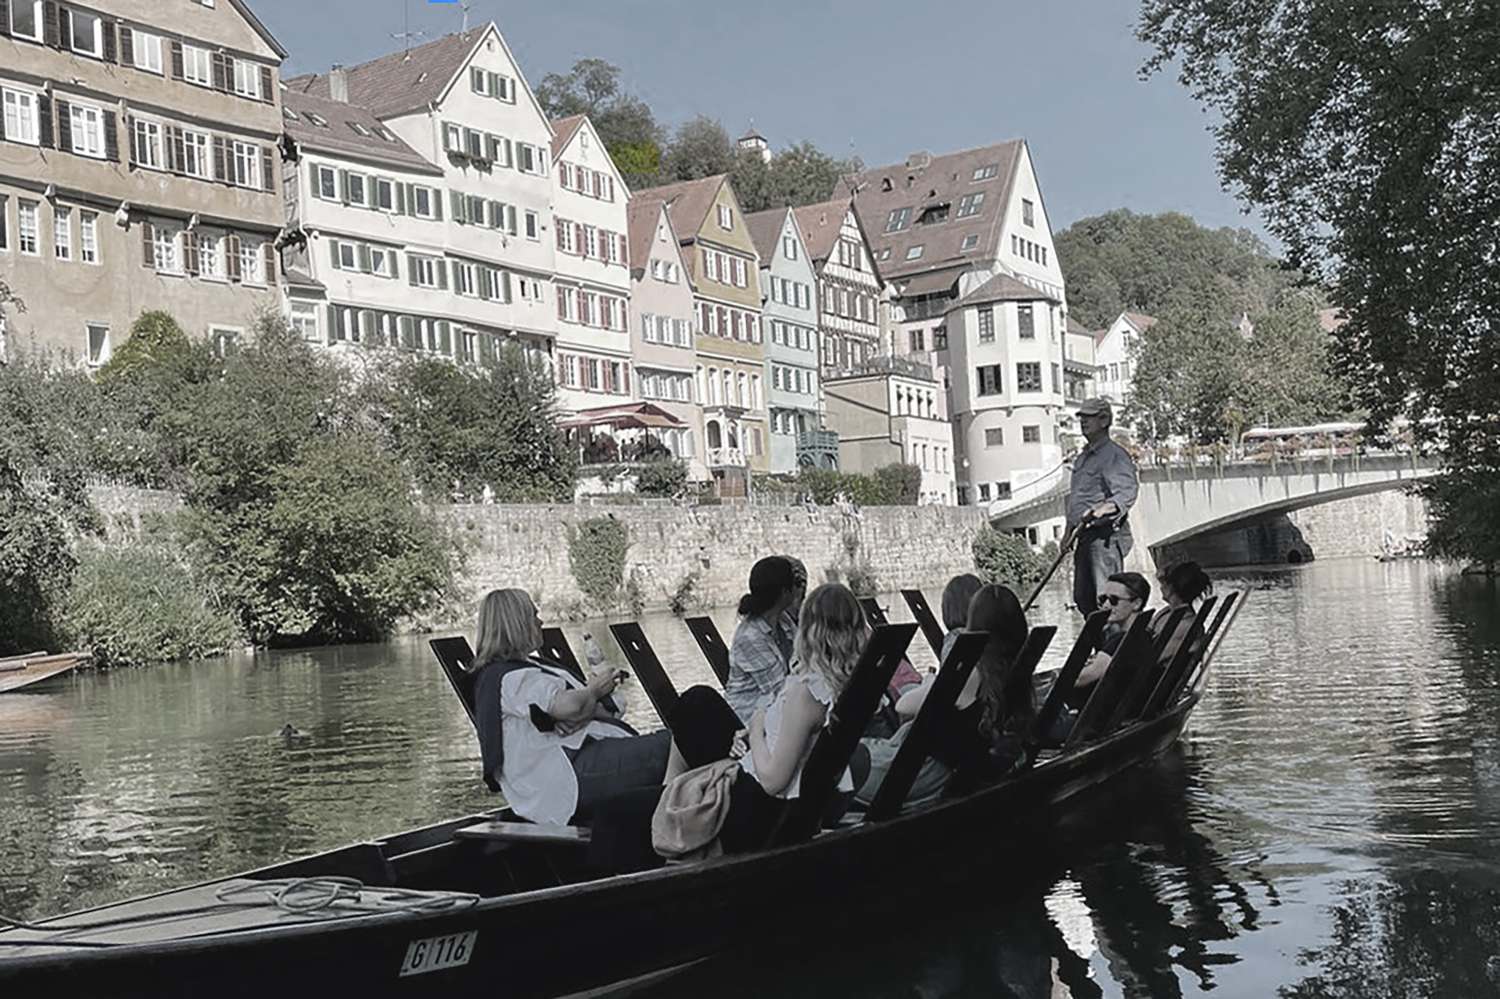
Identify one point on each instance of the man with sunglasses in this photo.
(1100, 494)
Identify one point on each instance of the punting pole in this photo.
(1062, 553)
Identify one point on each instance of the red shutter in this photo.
(579, 246)
(148, 250)
(562, 303)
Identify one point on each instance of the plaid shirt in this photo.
(758, 663)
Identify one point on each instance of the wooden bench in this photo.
(1138, 691)
(500, 831)
(648, 668)
(1067, 677)
(1130, 656)
(926, 620)
(874, 613)
(711, 644)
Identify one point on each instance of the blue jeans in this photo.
(1096, 558)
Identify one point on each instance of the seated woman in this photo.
(761, 650)
(544, 738)
(1181, 586)
(831, 635)
(955, 608)
(1125, 595)
(983, 739)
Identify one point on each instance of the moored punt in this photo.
(23, 671)
(443, 913)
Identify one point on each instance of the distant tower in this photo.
(754, 141)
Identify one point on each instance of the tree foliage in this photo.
(458, 430)
(1004, 557)
(1370, 136)
(1124, 262)
(626, 124)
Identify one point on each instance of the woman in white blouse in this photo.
(545, 739)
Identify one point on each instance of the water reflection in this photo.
(1328, 827)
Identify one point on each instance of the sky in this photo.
(875, 78)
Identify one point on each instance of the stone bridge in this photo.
(1180, 503)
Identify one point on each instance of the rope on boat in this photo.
(316, 897)
(320, 896)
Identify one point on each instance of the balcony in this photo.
(885, 364)
(725, 457)
(818, 449)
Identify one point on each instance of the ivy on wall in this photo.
(596, 557)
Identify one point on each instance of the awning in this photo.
(629, 416)
(929, 282)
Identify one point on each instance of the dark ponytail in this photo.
(1187, 580)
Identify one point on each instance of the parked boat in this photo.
(17, 672)
(483, 903)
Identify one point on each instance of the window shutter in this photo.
(267, 170)
(579, 246)
(44, 120)
(190, 252)
(127, 46)
(64, 126)
(436, 200)
(505, 286)
(333, 323)
(411, 272)
(221, 158)
(232, 256)
(178, 73)
(333, 254)
(148, 248)
(107, 29)
(270, 253)
(363, 256)
(220, 63)
(5, 18)
(51, 33)
(442, 274)
(559, 228)
(401, 198)
(445, 336)
(562, 303)
(267, 91)
(510, 219)
(111, 137)
(459, 215)
(172, 140)
(395, 263)
(492, 209)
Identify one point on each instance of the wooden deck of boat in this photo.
(36, 668)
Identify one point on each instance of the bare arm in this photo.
(909, 703)
(801, 718)
(578, 705)
(1097, 665)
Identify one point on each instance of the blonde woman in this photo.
(772, 749)
(545, 739)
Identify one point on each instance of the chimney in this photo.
(338, 84)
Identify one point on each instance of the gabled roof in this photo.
(1078, 329)
(765, 231)
(340, 139)
(641, 220)
(1139, 320)
(1003, 288)
(563, 130)
(924, 181)
(404, 82)
(820, 225)
(260, 29)
(688, 202)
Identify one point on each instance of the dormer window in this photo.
(316, 119)
(359, 129)
(933, 214)
(898, 220)
(384, 133)
(288, 114)
(970, 241)
(970, 204)
(986, 172)
(915, 252)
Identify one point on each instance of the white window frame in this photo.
(86, 123)
(340, 246)
(246, 79)
(197, 65)
(22, 119)
(246, 156)
(36, 13)
(380, 261)
(102, 355)
(166, 254)
(303, 317)
(465, 279)
(145, 51)
(62, 232)
(350, 179)
(422, 270)
(725, 217)
(915, 252)
(147, 136)
(385, 202)
(321, 173)
(95, 38)
(252, 260)
(88, 236)
(418, 193)
(212, 263)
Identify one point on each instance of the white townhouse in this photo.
(789, 318)
(462, 104)
(1114, 353)
(592, 286)
(945, 227)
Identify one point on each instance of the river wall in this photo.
(691, 558)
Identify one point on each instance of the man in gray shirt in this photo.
(1101, 492)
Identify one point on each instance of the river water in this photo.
(1328, 827)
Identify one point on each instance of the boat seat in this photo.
(499, 831)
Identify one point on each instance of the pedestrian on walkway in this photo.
(1100, 494)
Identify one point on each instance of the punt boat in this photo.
(486, 904)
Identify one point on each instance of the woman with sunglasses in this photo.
(1124, 595)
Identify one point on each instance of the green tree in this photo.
(700, 148)
(626, 124)
(459, 429)
(1370, 136)
(1189, 378)
(1005, 558)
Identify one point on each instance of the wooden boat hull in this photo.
(576, 938)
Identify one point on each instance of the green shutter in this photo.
(333, 253)
(333, 324)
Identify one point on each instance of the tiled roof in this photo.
(1140, 320)
(1003, 288)
(1331, 319)
(929, 282)
(820, 225)
(924, 181)
(1077, 328)
(563, 131)
(641, 217)
(339, 138)
(765, 231)
(401, 82)
(687, 201)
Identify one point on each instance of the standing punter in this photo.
(1100, 495)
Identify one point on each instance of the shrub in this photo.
(596, 556)
(661, 478)
(898, 485)
(890, 485)
(140, 604)
(1006, 558)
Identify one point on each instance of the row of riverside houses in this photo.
(422, 201)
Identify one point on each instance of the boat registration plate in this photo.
(437, 953)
